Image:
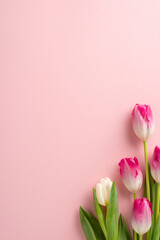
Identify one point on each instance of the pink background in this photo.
(70, 74)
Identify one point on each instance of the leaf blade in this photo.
(127, 232)
(121, 232)
(99, 214)
(112, 214)
(156, 232)
(90, 225)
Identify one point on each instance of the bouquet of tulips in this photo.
(145, 213)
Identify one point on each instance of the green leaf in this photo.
(121, 232)
(156, 231)
(99, 214)
(125, 227)
(153, 192)
(112, 214)
(90, 225)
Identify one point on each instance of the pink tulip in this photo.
(131, 174)
(142, 121)
(155, 165)
(142, 216)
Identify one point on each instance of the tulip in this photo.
(142, 121)
(143, 125)
(155, 165)
(142, 216)
(103, 191)
(131, 174)
(155, 171)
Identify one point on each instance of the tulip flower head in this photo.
(103, 191)
(131, 174)
(142, 216)
(155, 165)
(142, 121)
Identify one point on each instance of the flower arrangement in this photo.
(145, 214)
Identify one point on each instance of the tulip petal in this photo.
(131, 174)
(142, 121)
(155, 165)
(99, 189)
(106, 187)
(142, 216)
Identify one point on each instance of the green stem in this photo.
(147, 180)
(134, 233)
(147, 171)
(157, 206)
(140, 237)
(159, 200)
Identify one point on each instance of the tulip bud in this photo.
(131, 174)
(155, 165)
(142, 121)
(142, 216)
(103, 191)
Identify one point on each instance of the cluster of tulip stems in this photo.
(145, 213)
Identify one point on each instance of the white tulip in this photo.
(103, 191)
